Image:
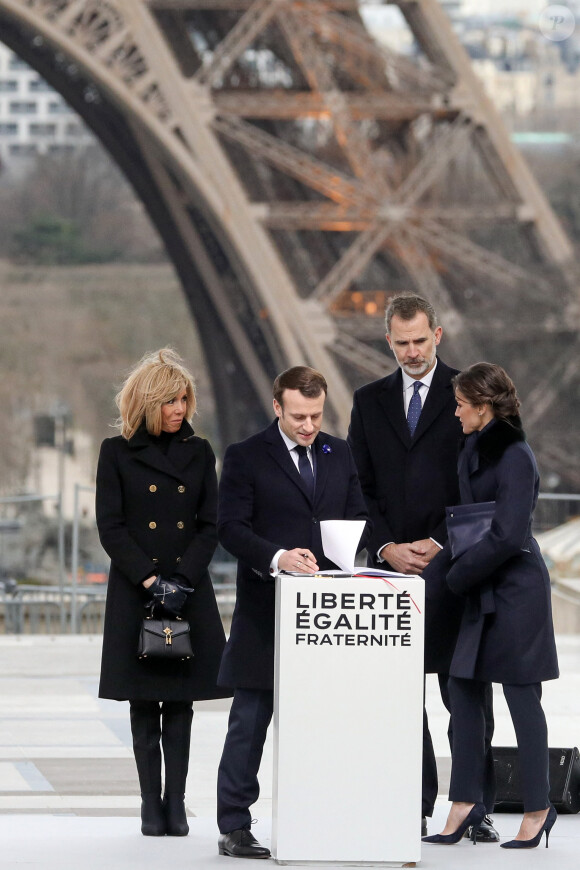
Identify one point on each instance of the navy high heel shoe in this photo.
(535, 841)
(474, 818)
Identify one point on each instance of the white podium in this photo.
(348, 720)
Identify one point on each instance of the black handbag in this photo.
(467, 524)
(163, 638)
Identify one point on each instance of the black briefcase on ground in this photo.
(564, 780)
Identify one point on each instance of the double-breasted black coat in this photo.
(407, 482)
(264, 506)
(156, 514)
(506, 633)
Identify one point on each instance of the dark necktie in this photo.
(414, 410)
(305, 468)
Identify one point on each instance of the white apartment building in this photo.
(34, 118)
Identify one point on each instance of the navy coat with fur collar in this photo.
(506, 633)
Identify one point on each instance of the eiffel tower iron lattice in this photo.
(300, 173)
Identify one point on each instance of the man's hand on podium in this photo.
(298, 560)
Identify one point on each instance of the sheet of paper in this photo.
(340, 540)
(378, 572)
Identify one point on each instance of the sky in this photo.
(531, 8)
(491, 7)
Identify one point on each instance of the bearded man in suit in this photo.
(405, 440)
(275, 489)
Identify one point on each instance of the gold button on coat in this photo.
(152, 525)
(180, 525)
(152, 488)
(181, 488)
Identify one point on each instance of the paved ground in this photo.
(68, 787)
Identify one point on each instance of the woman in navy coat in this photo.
(156, 515)
(506, 633)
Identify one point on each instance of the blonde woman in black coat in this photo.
(156, 515)
(506, 633)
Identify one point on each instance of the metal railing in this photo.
(29, 609)
(79, 609)
(555, 508)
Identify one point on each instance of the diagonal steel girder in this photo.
(317, 174)
(355, 146)
(242, 34)
(356, 258)
(560, 376)
(370, 361)
(352, 37)
(448, 146)
(488, 263)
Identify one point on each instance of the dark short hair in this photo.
(486, 383)
(406, 306)
(308, 381)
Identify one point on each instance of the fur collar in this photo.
(497, 437)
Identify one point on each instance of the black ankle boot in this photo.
(153, 822)
(175, 816)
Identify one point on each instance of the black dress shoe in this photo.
(424, 826)
(241, 844)
(486, 833)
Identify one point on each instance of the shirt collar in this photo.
(288, 441)
(408, 381)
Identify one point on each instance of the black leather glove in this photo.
(168, 595)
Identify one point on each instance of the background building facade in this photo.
(34, 118)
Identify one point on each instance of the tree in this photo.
(47, 240)
(73, 208)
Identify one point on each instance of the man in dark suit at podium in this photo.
(275, 488)
(405, 438)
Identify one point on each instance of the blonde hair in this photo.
(157, 378)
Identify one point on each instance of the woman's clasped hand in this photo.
(167, 596)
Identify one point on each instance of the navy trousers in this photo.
(468, 768)
(430, 785)
(430, 781)
(237, 785)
